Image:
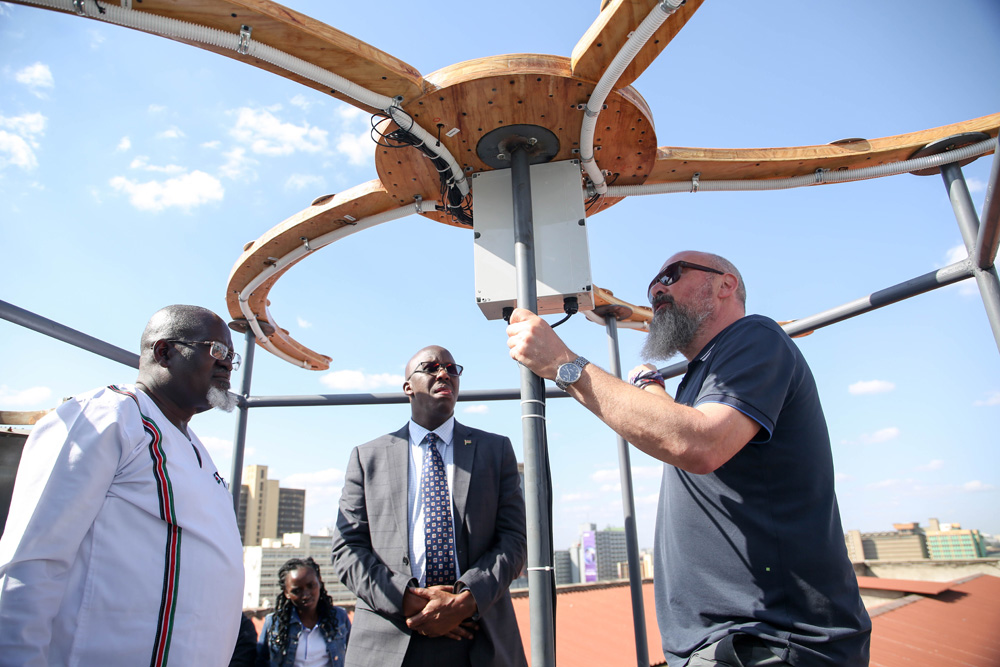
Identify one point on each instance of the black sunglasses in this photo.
(671, 273)
(434, 367)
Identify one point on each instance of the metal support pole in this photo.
(236, 477)
(628, 506)
(541, 582)
(968, 223)
(989, 231)
(29, 320)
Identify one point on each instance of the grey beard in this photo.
(224, 400)
(672, 329)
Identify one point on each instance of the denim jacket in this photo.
(272, 656)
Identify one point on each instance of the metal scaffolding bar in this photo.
(628, 507)
(239, 444)
(29, 320)
(386, 399)
(968, 223)
(989, 231)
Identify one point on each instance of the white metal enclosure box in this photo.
(562, 256)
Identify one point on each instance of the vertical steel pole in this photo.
(236, 477)
(628, 505)
(968, 223)
(536, 491)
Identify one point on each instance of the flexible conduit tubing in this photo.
(622, 59)
(819, 177)
(174, 28)
(308, 248)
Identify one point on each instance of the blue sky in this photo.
(133, 169)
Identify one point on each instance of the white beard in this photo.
(224, 400)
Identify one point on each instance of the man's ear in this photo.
(728, 286)
(407, 389)
(161, 353)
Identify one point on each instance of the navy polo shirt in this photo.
(757, 545)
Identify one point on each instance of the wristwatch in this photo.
(570, 373)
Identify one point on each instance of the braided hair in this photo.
(277, 635)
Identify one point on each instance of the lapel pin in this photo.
(468, 442)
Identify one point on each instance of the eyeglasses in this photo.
(671, 273)
(218, 350)
(434, 367)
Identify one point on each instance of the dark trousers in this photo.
(437, 652)
(736, 650)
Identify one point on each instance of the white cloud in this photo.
(976, 486)
(348, 112)
(478, 409)
(37, 78)
(124, 144)
(992, 399)
(17, 147)
(885, 484)
(267, 135)
(936, 464)
(24, 398)
(881, 435)
(358, 148)
(238, 166)
(156, 108)
(172, 132)
(360, 380)
(975, 185)
(297, 182)
(871, 387)
(142, 162)
(956, 254)
(304, 103)
(215, 143)
(96, 40)
(184, 192)
(617, 487)
(842, 477)
(575, 497)
(304, 324)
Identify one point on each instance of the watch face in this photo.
(568, 373)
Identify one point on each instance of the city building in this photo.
(645, 566)
(947, 541)
(599, 553)
(942, 541)
(261, 565)
(567, 571)
(268, 511)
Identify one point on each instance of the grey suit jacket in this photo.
(371, 545)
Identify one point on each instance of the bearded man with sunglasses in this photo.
(121, 547)
(750, 562)
(430, 534)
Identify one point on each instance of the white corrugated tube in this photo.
(622, 59)
(819, 177)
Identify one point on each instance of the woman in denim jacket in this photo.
(305, 623)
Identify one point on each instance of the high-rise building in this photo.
(567, 571)
(261, 565)
(267, 510)
(949, 542)
(600, 551)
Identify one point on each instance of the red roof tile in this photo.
(904, 585)
(958, 627)
(952, 624)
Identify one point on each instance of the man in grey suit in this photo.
(432, 586)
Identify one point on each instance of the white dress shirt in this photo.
(416, 499)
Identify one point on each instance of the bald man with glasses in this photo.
(750, 563)
(121, 547)
(430, 534)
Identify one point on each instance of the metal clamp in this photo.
(305, 242)
(244, 46)
(78, 7)
(819, 175)
(695, 181)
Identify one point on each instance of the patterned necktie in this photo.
(439, 540)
